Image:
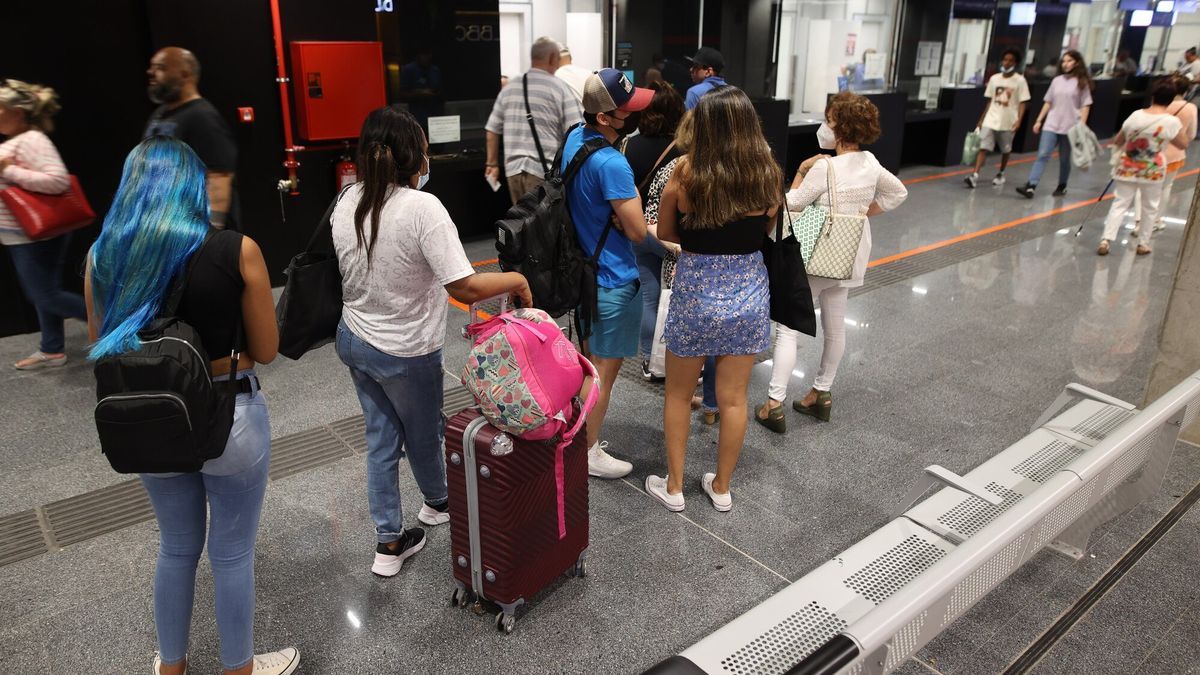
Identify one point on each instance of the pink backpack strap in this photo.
(560, 477)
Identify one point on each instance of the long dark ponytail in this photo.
(391, 148)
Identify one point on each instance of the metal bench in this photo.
(870, 608)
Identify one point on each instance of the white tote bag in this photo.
(658, 347)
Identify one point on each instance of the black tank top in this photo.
(737, 237)
(212, 300)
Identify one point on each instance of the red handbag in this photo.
(45, 216)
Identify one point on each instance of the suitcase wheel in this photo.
(505, 622)
(579, 569)
(461, 597)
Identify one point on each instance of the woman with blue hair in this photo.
(158, 228)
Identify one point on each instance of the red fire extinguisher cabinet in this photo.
(335, 85)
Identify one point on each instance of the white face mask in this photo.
(1007, 69)
(425, 176)
(825, 137)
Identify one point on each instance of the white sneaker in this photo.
(388, 563)
(158, 663)
(721, 502)
(998, 180)
(283, 662)
(1160, 226)
(603, 465)
(972, 180)
(657, 487)
(1137, 231)
(433, 517)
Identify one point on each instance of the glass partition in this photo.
(1093, 29)
(826, 47)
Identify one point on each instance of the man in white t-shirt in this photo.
(570, 73)
(1191, 65)
(1007, 91)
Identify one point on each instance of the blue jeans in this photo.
(649, 263)
(232, 488)
(39, 267)
(401, 399)
(1046, 146)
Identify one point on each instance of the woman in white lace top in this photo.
(863, 187)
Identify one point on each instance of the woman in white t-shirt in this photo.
(1141, 166)
(401, 261)
(863, 187)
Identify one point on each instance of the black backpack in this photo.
(537, 238)
(157, 408)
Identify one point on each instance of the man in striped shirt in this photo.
(553, 110)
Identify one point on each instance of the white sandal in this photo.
(40, 359)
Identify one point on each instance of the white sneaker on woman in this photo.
(657, 487)
(283, 662)
(603, 465)
(720, 502)
(158, 663)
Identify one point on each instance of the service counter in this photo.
(935, 137)
(457, 180)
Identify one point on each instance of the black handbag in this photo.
(791, 298)
(310, 307)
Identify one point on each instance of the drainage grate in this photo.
(82, 517)
(890, 571)
(1046, 462)
(787, 643)
(20, 537)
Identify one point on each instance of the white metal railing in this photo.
(873, 606)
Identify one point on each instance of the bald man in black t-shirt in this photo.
(185, 115)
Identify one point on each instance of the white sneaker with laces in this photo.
(603, 465)
(431, 516)
(657, 487)
(158, 664)
(283, 662)
(998, 180)
(972, 180)
(720, 502)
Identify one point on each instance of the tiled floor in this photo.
(947, 369)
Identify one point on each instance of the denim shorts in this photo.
(616, 330)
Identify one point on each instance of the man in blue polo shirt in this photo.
(604, 190)
(706, 69)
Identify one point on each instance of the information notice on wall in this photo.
(445, 129)
(929, 58)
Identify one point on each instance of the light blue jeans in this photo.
(649, 256)
(231, 487)
(1046, 145)
(401, 399)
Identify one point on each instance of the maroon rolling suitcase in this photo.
(504, 537)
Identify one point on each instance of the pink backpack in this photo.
(525, 375)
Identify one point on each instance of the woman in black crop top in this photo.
(158, 225)
(718, 205)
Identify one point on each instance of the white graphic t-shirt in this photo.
(1006, 95)
(398, 303)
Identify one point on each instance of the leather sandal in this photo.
(774, 419)
(819, 409)
(1143, 249)
(1103, 250)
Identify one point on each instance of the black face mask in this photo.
(631, 124)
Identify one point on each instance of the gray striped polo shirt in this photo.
(555, 110)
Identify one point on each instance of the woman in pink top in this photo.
(1068, 102)
(28, 159)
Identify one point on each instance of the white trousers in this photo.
(1123, 196)
(832, 300)
(1168, 183)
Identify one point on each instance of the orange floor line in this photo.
(1002, 226)
(963, 172)
(481, 263)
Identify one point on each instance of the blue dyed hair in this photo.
(158, 218)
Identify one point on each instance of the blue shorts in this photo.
(615, 331)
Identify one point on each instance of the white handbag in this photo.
(836, 248)
(657, 362)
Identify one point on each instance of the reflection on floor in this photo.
(947, 366)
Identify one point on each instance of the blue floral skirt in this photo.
(720, 306)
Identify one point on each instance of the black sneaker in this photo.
(1060, 190)
(432, 514)
(389, 562)
(1026, 191)
(649, 376)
